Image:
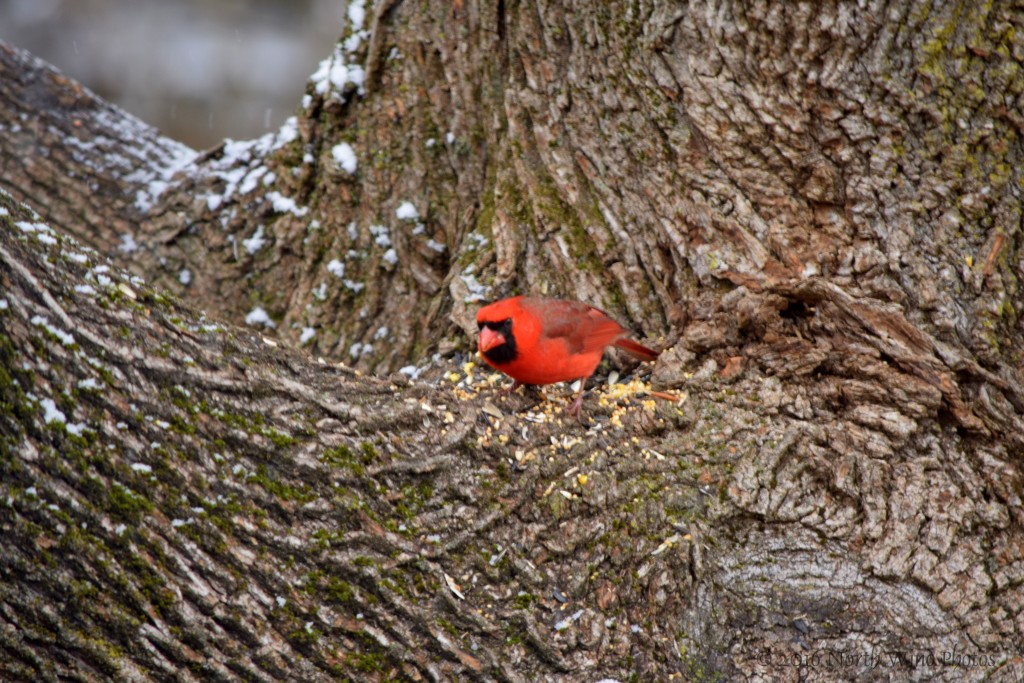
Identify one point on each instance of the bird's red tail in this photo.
(637, 349)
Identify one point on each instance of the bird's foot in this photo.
(576, 406)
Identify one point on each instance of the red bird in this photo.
(535, 340)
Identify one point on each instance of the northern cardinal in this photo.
(536, 340)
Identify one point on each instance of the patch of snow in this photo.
(436, 246)
(381, 235)
(65, 338)
(356, 76)
(406, 211)
(256, 242)
(307, 334)
(185, 277)
(284, 204)
(288, 132)
(251, 180)
(353, 42)
(156, 178)
(336, 268)
(357, 13)
(334, 75)
(128, 243)
(240, 163)
(565, 623)
(25, 226)
(477, 291)
(411, 370)
(90, 383)
(51, 413)
(358, 349)
(258, 316)
(391, 256)
(345, 157)
(141, 468)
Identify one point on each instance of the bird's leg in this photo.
(574, 409)
(515, 385)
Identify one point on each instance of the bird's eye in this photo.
(506, 325)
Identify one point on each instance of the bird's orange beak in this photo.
(489, 339)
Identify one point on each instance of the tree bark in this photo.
(817, 209)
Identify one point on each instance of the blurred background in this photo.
(199, 70)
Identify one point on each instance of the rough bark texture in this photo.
(817, 205)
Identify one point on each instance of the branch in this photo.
(91, 169)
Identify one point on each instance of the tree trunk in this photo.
(817, 209)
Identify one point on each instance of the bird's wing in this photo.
(584, 328)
